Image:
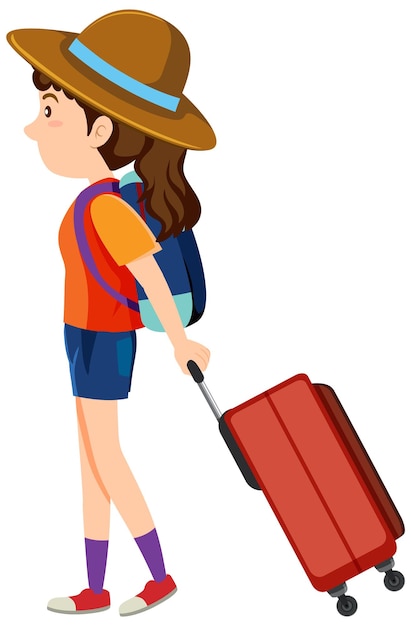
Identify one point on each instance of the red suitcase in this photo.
(333, 507)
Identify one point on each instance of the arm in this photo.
(146, 270)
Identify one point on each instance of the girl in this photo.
(109, 96)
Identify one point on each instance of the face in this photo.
(61, 134)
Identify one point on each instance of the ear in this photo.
(101, 131)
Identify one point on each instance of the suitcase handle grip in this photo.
(195, 371)
(198, 377)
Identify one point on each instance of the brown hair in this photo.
(168, 195)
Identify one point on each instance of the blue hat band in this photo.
(119, 78)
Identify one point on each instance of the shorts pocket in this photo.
(125, 356)
(71, 341)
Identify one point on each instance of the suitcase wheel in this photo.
(394, 581)
(346, 605)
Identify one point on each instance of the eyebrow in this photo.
(50, 95)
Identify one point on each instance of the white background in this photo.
(305, 242)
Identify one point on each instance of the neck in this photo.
(98, 171)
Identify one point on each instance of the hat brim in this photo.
(47, 51)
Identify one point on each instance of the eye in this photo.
(47, 111)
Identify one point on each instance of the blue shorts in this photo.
(101, 363)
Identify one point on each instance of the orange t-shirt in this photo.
(116, 235)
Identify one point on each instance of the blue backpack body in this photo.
(179, 258)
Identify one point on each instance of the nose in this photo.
(30, 130)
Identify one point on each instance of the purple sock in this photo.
(96, 556)
(151, 551)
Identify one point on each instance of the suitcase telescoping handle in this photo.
(198, 377)
(232, 445)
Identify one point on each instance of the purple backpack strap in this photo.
(81, 203)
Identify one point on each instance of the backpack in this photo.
(179, 258)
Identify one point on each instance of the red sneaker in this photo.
(85, 602)
(153, 594)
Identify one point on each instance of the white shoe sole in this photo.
(127, 607)
(104, 608)
(67, 606)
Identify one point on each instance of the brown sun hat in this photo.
(130, 65)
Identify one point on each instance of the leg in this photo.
(96, 500)
(96, 515)
(96, 510)
(100, 434)
(101, 422)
